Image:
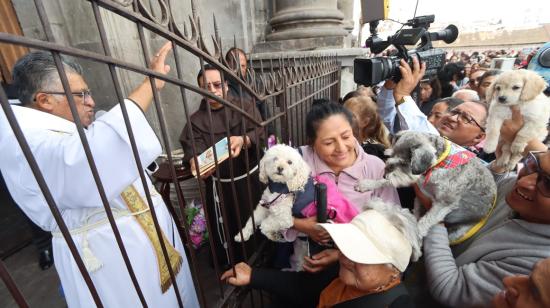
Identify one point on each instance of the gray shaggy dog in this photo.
(462, 196)
(403, 220)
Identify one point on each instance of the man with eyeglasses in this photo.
(51, 133)
(517, 232)
(463, 125)
(216, 118)
(514, 238)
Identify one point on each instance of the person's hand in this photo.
(158, 65)
(320, 261)
(237, 143)
(509, 129)
(409, 78)
(240, 276)
(142, 95)
(309, 226)
(204, 175)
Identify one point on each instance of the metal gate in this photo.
(286, 86)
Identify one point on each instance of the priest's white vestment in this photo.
(57, 148)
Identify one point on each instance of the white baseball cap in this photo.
(370, 238)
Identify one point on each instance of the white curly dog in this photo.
(281, 164)
(524, 89)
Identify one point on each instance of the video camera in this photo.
(370, 71)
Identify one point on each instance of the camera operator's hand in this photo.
(409, 78)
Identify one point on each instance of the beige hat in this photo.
(370, 238)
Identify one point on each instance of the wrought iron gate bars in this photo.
(289, 76)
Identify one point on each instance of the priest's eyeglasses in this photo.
(84, 94)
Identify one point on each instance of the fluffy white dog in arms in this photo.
(281, 165)
(461, 188)
(524, 89)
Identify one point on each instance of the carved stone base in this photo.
(315, 43)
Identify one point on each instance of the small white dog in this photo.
(521, 88)
(281, 164)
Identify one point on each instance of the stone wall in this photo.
(501, 39)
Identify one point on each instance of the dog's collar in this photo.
(444, 154)
(277, 187)
(452, 157)
(473, 230)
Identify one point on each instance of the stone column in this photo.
(304, 25)
(346, 7)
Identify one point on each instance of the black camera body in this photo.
(370, 71)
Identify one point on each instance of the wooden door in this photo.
(9, 53)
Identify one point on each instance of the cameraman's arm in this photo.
(386, 105)
(410, 116)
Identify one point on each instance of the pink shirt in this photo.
(365, 167)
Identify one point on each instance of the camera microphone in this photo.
(369, 71)
(447, 35)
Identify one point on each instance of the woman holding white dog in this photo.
(334, 152)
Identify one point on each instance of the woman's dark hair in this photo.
(436, 88)
(489, 73)
(321, 109)
(448, 74)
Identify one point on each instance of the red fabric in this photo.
(452, 161)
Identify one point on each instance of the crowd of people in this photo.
(496, 265)
(363, 263)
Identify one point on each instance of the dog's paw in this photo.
(366, 185)
(238, 237)
(501, 162)
(511, 165)
(517, 147)
(423, 227)
(416, 252)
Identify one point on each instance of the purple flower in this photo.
(271, 141)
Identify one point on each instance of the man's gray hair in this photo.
(466, 95)
(36, 71)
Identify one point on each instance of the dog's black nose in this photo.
(502, 99)
(280, 169)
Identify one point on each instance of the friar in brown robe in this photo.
(238, 203)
